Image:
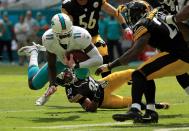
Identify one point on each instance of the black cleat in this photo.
(150, 117)
(132, 114)
(162, 105)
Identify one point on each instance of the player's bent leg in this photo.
(32, 71)
(113, 101)
(117, 79)
(40, 78)
(45, 97)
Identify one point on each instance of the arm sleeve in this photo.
(95, 59)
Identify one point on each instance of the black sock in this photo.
(149, 92)
(138, 86)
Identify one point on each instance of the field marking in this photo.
(2, 111)
(77, 126)
(172, 129)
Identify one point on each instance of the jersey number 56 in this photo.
(92, 22)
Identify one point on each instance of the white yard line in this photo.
(172, 129)
(77, 126)
(2, 111)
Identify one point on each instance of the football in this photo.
(78, 55)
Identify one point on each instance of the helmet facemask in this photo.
(134, 11)
(67, 77)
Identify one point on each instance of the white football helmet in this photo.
(61, 25)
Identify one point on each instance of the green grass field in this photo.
(18, 111)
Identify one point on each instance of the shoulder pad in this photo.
(152, 14)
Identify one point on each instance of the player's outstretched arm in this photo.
(51, 58)
(128, 56)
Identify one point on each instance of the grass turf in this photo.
(18, 112)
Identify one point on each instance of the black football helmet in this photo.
(134, 10)
(67, 77)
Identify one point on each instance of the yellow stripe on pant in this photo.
(115, 81)
(163, 64)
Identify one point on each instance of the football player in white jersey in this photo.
(60, 39)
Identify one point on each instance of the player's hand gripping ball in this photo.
(78, 55)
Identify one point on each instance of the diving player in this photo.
(60, 39)
(92, 94)
(85, 13)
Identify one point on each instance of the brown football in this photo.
(78, 55)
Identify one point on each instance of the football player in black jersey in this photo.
(85, 13)
(173, 60)
(171, 8)
(92, 94)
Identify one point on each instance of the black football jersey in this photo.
(165, 37)
(82, 89)
(153, 3)
(86, 16)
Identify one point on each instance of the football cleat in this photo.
(162, 105)
(132, 114)
(150, 116)
(43, 99)
(26, 50)
(157, 106)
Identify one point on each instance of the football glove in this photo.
(102, 68)
(128, 34)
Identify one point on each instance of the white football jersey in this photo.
(79, 40)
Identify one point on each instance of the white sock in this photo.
(33, 58)
(136, 105)
(151, 107)
(187, 90)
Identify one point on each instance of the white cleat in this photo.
(39, 47)
(43, 99)
(26, 50)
